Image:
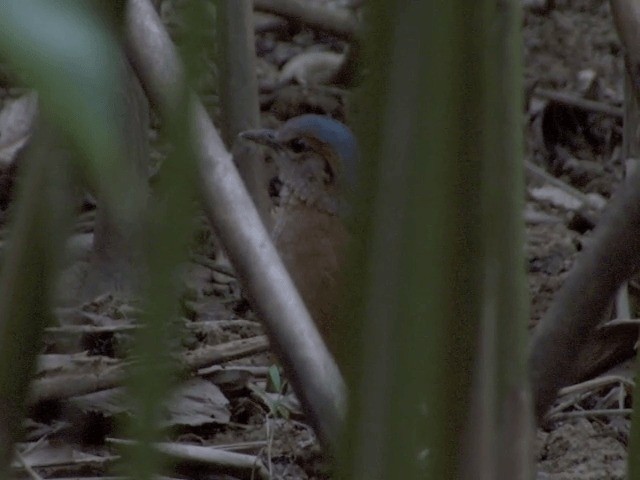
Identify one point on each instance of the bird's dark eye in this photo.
(329, 174)
(298, 145)
(275, 185)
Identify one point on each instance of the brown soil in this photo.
(570, 47)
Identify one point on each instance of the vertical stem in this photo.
(26, 282)
(505, 312)
(238, 84)
(626, 15)
(425, 271)
(239, 96)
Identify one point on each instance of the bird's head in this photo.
(313, 147)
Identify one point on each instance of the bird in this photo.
(316, 161)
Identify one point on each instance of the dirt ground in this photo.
(572, 47)
(244, 407)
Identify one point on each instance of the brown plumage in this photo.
(315, 160)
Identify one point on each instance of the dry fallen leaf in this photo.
(312, 68)
(17, 120)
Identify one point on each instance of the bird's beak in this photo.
(263, 136)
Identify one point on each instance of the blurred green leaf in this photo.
(66, 52)
(275, 378)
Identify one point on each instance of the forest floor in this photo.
(571, 49)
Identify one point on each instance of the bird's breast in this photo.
(312, 245)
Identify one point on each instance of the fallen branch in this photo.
(229, 208)
(339, 22)
(611, 258)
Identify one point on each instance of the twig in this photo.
(30, 471)
(213, 265)
(207, 356)
(255, 372)
(556, 182)
(243, 465)
(81, 329)
(580, 391)
(621, 321)
(341, 23)
(253, 446)
(204, 326)
(579, 102)
(571, 401)
(593, 413)
(595, 383)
